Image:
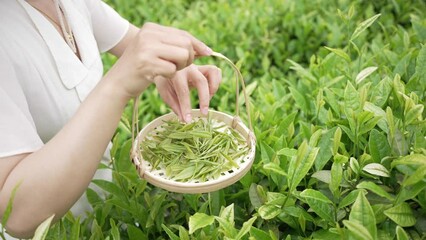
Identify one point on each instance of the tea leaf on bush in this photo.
(378, 145)
(375, 189)
(228, 214)
(376, 169)
(363, 214)
(336, 178)
(319, 203)
(340, 53)
(183, 233)
(269, 211)
(255, 199)
(413, 159)
(245, 228)
(401, 234)
(401, 214)
(421, 65)
(43, 228)
(364, 74)
(325, 151)
(300, 164)
(199, 220)
(259, 234)
(349, 199)
(357, 230)
(323, 176)
(352, 100)
(417, 176)
(363, 26)
(273, 167)
(169, 232)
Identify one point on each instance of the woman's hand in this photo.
(155, 52)
(175, 90)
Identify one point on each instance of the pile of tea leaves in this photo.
(198, 151)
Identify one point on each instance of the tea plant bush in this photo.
(338, 90)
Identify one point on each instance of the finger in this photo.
(162, 68)
(201, 83)
(180, 41)
(168, 95)
(200, 48)
(182, 91)
(214, 77)
(177, 55)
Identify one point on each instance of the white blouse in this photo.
(42, 82)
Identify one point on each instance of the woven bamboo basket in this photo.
(158, 177)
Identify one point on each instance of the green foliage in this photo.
(338, 91)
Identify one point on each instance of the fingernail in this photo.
(205, 110)
(188, 118)
(209, 51)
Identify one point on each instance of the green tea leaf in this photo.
(363, 214)
(198, 221)
(336, 178)
(401, 234)
(226, 227)
(414, 113)
(299, 99)
(421, 65)
(300, 165)
(371, 186)
(43, 228)
(228, 214)
(255, 199)
(269, 211)
(273, 167)
(364, 74)
(357, 230)
(259, 234)
(319, 203)
(413, 159)
(137, 233)
(349, 199)
(323, 176)
(114, 230)
(352, 100)
(363, 26)
(245, 228)
(183, 233)
(378, 145)
(376, 169)
(380, 93)
(401, 214)
(325, 151)
(9, 206)
(339, 52)
(289, 152)
(109, 187)
(417, 176)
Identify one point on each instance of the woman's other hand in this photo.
(175, 90)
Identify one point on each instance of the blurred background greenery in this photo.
(297, 87)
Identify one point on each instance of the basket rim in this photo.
(227, 179)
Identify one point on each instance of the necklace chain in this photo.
(68, 34)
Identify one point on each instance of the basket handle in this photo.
(239, 78)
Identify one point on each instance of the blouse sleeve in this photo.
(18, 133)
(108, 26)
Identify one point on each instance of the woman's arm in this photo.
(54, 177)
(118, 49)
